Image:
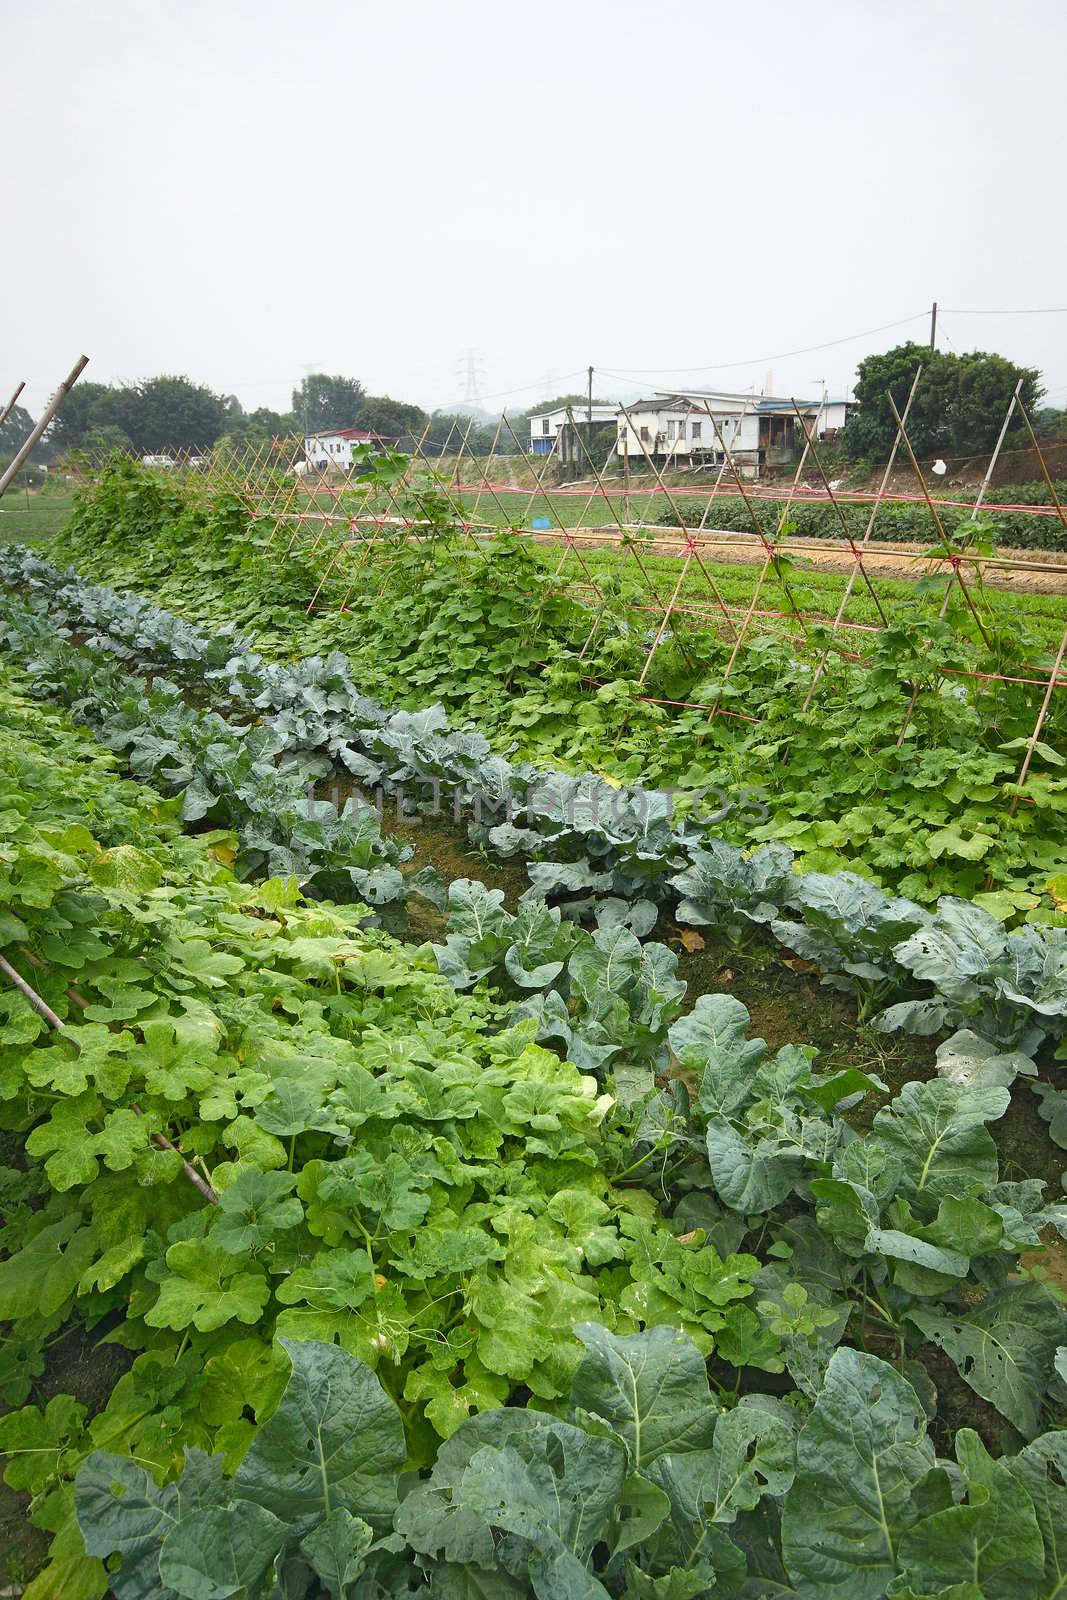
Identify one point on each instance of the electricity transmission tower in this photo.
(471, 374)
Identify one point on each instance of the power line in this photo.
(1011, 311)
(779, 355)
(522, 388)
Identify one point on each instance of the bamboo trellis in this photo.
(346, 525)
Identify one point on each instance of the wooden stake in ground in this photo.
(9, 408)
(41, 1006)
(672, 502)
(861, 547)
(623, 536)
(46, 416)
(1031, 744)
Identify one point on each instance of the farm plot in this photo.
(501, 1264)
(898, 762)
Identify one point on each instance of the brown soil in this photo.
(78, 1364)
(896, 560)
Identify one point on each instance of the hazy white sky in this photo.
(242, 191)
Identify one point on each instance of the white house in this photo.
(334, 448)
(701, 425)
(546, 427)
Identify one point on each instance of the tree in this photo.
(1050, 423)
(15, 431)
(324, 402)
(172, 412)
(158, 414)
(258, 427)
(105, 439)
(959, 406)
(391, 418)
(450, 431)
(84, 409)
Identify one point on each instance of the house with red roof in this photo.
(334, 447)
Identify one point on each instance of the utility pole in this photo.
(933, 326)
(589, 417)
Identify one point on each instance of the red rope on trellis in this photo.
(771, 492)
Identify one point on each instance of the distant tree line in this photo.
(958, 410)
(172, 412)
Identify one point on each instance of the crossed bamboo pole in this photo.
(41, 1006)
(860, 549)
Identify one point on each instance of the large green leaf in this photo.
(434, 1518)
(859, 1457)
(651, 1387)
(559, 1493)
(689, 1540)
(750, 1173)
(337, 1549)
(753, 1454)
(450, 1582)
(221, 1550)
(992, 1541)
(937, 1132)
(1042, 1469)
(1005, 1349)
(336, 1440)
(711, 1040)
(121, 1509)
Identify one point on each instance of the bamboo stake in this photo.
(9, 408)
(666, 619)
(1013, 402)
(40, 1005)
(367, 544)
(809, 436)
(641, 567)
(680, 519)
(46, 416)
(1041, 458)
(344, 544)
(867, 532)
(768, 548)
(1039, 724)
(937, 520)
(1046, 701)
(45, 1010)
(566, 532)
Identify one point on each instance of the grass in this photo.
(33, 515)
(28, 515)
(817, 594)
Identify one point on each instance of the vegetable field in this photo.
(400, 1197)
